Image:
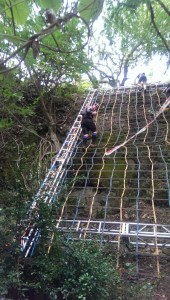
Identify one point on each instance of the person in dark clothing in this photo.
(142, 79)
(87, 124)
(167, 91)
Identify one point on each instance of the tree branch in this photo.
(44, 33)
(126, 63)
(156, 28)
(164, 7)
(12, 15)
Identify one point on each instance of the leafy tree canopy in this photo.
(135, 30)
(44, 27)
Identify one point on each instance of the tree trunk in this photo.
(51, 126)
(125, 71)
(54, 138)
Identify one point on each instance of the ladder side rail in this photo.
(65, 153)
(88, 101)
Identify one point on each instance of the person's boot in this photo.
(94, 135)
(85, 139)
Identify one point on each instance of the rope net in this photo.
(124, 197)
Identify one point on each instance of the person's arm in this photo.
(95, 108)
(94, 113)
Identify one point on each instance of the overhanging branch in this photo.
(164, 7)
(43, 33)
(156, 28)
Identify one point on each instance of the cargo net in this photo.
(119, 191)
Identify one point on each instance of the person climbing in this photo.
(167, 91)
(87, 124)
(142, 80)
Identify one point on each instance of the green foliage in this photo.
(83, 86)
(71, 270)
(133, 22)
(75, 271)
(137, 291)
(19, 10)
(13, 210)
(10, 38)
(135, 31)
(90, 9)
(50, 4)
(86, 273)
(5, 123)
